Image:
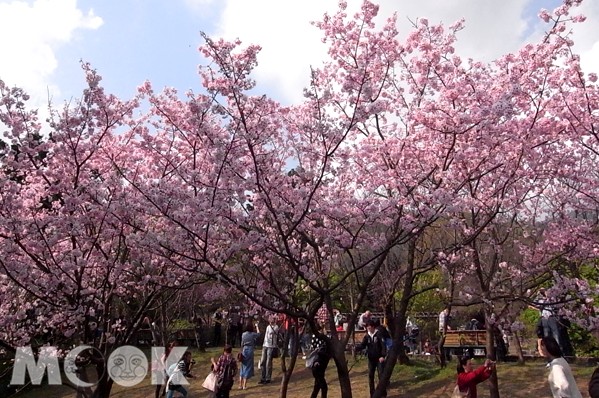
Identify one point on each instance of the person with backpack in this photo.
(384, 333)
(225, 369)
(177, 373)
(376, 351)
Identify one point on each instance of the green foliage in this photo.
(179, 324)
(530, 318)
(584, 342)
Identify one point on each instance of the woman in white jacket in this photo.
(561, 380)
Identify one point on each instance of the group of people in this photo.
(561, 380)
(318, 353)
(373, 344)
(233, 323)
(227, 366)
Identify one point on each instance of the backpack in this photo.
(388, 343)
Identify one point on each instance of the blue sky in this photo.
(130, 41)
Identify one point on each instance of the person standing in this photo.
(549, 322)
(225, 369)
(338, 318)
(561, 380)
(468, 377)
(268, 348)
(443, 321)
(364, 318)
(376, 351)
(248, 343)
(217, 317)
(234, 322)
(320, 355)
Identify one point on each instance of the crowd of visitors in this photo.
(317, 352)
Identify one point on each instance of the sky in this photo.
(130, 41)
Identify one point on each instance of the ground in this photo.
(422, 379)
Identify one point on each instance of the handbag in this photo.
(313, 356)
(276, 352)
(459, 394)
(210, 382)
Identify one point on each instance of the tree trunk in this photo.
(285, 353)
(519, 348)
(398, 351)
(490, 347)
(338, 350)
(103, 386)
(287, 373)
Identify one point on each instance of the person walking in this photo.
(248, 343)
(561, 380)
(376, 351)
(181, 370)
(268, 349)
(225, 369)
(468, 377)
(318, 360)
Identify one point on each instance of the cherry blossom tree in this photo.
(78, 262)
(392, 136)
(395, 139)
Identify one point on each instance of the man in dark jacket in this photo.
(594, 384)
(376, 351)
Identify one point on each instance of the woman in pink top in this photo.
(468, 377)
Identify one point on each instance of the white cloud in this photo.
(490, 30)
(282, 28)
(31, 34)
(290, 44)
(586, 41)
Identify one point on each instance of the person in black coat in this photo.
(320, 355)
(594, 384)
(376, 351)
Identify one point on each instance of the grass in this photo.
(421, 379)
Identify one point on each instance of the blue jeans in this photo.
(171, 391)
(266, 363)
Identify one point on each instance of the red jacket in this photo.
(469, 380)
